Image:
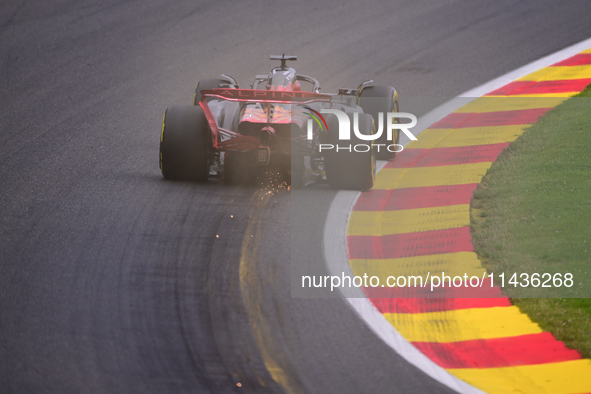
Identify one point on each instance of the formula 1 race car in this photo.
(235, 134)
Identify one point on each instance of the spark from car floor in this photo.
(272, 183)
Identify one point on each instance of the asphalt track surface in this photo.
(112, 279)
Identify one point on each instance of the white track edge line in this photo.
(335, 229)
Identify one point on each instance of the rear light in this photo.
(263, 155)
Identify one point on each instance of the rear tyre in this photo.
(384, 99)
(353, 170)
(207, 84)
(185, 142)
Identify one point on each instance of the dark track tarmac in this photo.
(112, 279)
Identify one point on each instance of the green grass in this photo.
(532, 214)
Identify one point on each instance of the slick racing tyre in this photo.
(185, 142)
(207, 84)
(384, 99)
(353, 165)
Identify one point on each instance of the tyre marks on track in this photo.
(264, 329)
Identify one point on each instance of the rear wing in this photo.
(265, 96)
(254, 96)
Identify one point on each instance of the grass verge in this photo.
(532, 214)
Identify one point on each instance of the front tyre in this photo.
(207, 84)
(376, 99)
(185, 143)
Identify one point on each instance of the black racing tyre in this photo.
(207, 84)
(376, 99)
(353, 170)
(185, 142)
(240, 168)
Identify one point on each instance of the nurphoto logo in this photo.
(345, 129)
